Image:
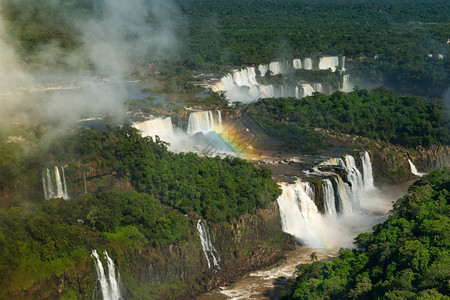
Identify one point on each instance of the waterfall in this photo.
(299, 215)
(84, 182)
(263, 69)
(329, 198)
(329, 62)
(275, 68)
(317, 87)
(161, 127)
(297, 63)
(204, 121)
(58, 182)
(343, 217)
(108, 284)
(367, 170)
(345, 197)
(208, 248)
(242, 85)
(346, 86)
(113, 282)
(297, 92)
(354, 175)
(54, 183)
(414, 169)
(343, 64)
(307, 64)
(267, 91)
(307, 89)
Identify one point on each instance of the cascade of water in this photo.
(335, 162)
(354, 175)
(113, 281)
(263, 69)
(203, 121)
(297, 92)
(84, 182)
(267, 91)
(346, 86)
(343, 64)
(343, 216)
(275, 68)
(49, 183)
(64, 185)
(299, 214)
(309, 190)
(414, 169)
(208, 248)
(355, 178)
(54, 183)
(58, 182)
(367, 171)
(161, 127)
(345, 196)
(45, 185)
(317, 87)
(219, 118)
(106, 292)
(297, 63)
(329, 198)
(307, 64)
(307, 89)
(329, 62)
(242, 85)
(110, 280)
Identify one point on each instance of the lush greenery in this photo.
(39, 241)
(140, 193)
(386, 41)
(406, 257)
(400, 34)
(378, 114)
(218, 189)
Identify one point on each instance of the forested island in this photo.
(127, 170)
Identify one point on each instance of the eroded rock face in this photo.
(432, 158)
(391, 162)
(181, 271)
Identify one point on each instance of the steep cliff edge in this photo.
(171, 271)
(181, 271)
(391, 162)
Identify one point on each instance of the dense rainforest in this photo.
(140, 193)
(380, 114)
(386, 42)
(406, 257)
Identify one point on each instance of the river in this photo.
(270, 282)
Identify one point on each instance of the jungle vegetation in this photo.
(406, 257)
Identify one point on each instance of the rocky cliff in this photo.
(182, 272)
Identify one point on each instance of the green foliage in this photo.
(35, 245)
(218, 189)
(121, 214)
(378, 114)
(400, 34)
(406, 257)
(214, 34)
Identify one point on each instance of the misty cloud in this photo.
(126, 33)
(117, 38)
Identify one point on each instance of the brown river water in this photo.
(270, 282)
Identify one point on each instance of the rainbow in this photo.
(231, 138)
